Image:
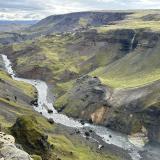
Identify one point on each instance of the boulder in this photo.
(34, 102)
(50, 111)
(9, 151)
(51, 121)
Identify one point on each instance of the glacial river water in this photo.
(44, 103)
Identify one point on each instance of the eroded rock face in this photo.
(87, 100)
(139, 139)
(8, 150)
(123, 110)
(151, 118)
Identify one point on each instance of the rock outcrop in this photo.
(124, 110)
(31, 137)
(87, 100)
(9, 151)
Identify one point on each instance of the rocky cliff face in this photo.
(121, 59)
(124, 110)
(87, 99)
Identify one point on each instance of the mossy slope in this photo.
(37, 136)
(32, 134)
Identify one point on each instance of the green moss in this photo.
(28, 132)
(136, 126)
(134, 70)
(61, 101)
(24, 87)
(4, 123)
(133, 21)
(83, 22)
(153, 25)
(66, 86)
(36, 157)
(56, 53)
(67, 150)
(51, 53)
(15, 108)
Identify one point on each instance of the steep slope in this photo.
(75, 21)
(12, 37)
(123, 60)
(50, 142)
(140, 66)
(34, 133)
(14, 98)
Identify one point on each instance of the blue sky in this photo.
(38, 9)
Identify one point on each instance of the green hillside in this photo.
(123, 54)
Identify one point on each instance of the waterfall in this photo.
(132, 42)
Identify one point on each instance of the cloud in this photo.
(38, 9)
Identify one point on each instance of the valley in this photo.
(94, 71)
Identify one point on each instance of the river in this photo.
(45, 103)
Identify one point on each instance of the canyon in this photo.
(97, 70)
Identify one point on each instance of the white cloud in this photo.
(37, 9)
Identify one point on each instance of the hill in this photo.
(119, 51)
(12, 26)
(34, 133)
(75, 21)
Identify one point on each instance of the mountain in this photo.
(75, 21)
(12, 26)
(102, 67)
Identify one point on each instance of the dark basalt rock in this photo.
(34, 102)
(82, 122)
(90, 121)
(7, 98)
(50, 111)
(59, 110)
(77, 131)
(90, 131)
(51, 121)
(87, 134)
(110, 136)
(84, 98)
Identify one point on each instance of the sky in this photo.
(39, 9)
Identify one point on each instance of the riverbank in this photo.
(116, 141)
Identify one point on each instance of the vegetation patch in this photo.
(29, 132)
(24, 87)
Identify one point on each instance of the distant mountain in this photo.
(75, 21)
(6, 22)
(10, 26)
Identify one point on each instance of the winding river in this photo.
(44, 103)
